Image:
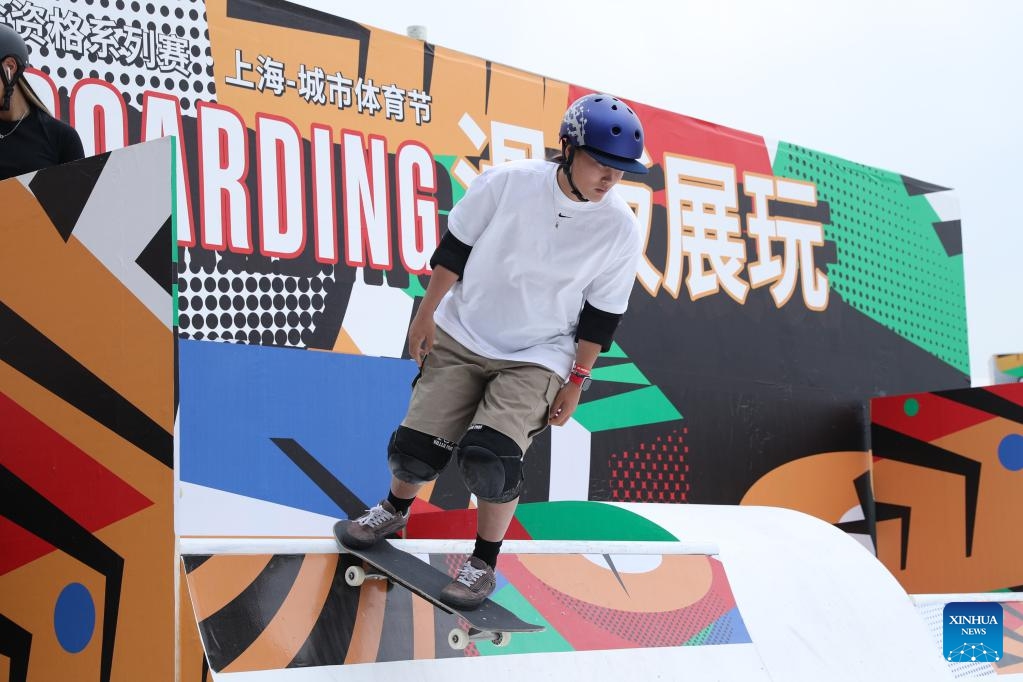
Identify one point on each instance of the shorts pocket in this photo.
(419, 374)
(553, 386)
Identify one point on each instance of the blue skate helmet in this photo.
(607, 129)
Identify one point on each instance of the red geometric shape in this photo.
(456, 524)
(62, 473)
(1011, 392)
(593, 627)
(935, 418)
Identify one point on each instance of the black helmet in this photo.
(12, 45)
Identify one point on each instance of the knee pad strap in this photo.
(417, 457)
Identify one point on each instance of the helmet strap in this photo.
(9, 85)
(568, 152)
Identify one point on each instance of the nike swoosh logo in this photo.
(562, 215)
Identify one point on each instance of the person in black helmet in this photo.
(30, 137)
(528, 285)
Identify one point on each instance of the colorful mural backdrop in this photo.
(318, 159)
(1008, 368)
(781, 287)
(265, 612)
(948, 474)
(87, 408)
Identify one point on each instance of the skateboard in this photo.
(489, 621)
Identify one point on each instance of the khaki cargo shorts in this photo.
(456, 388)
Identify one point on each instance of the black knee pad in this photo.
(417, 457)
(491, 464)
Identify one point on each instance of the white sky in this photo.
(927, 88)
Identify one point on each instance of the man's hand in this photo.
(421, 335)
(564, 404)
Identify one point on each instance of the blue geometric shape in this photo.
(729, 629)
(1010, 452)
(74, 617)
(341, 409)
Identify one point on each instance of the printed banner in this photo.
(947, 473)
(87, 413)
(781, 288)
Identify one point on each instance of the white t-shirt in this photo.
(536, 257)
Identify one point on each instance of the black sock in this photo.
(487, 551)
(400, 505)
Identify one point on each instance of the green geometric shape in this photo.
(614, 352)
(635, 408)
(626, 373)
(457, 191)
(891, 265)
(415, 288)
(1015, 372)
(549, 640)
(595, 521)
(911, 407)
(174, 229)
(700, 638)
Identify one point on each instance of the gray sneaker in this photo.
(376, 524)
(473, 584)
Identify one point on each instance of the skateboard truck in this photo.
(356, 575)
(458, 638)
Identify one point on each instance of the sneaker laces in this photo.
(374, 517)
(469, 574)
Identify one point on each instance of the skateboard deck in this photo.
(489, 621)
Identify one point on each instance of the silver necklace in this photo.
(11, 132)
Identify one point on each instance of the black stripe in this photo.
(154, 259)
(16, 645)
(290, 15)
(901, 448)
(33, 354)
(344, 498)
(916, 187)
(428, 56)
(63, 191)
(950, 233)
(194, 561)
(27, 508)
(331, 636)
(986, 401)
(229, 632)
(486, 100)
(397, 618)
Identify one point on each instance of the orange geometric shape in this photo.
(283, 637)
(220, 579)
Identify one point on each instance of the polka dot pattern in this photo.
(891, 264)
(216, 304)
(121, 43)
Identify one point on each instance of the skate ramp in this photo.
(700, 592)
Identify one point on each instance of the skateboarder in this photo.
(528, 285)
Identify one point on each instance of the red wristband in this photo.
(579, 369)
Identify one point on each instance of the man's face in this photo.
(593, 178)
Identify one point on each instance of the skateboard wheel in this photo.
(355, 575)
(501, 639)
(458, 639)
